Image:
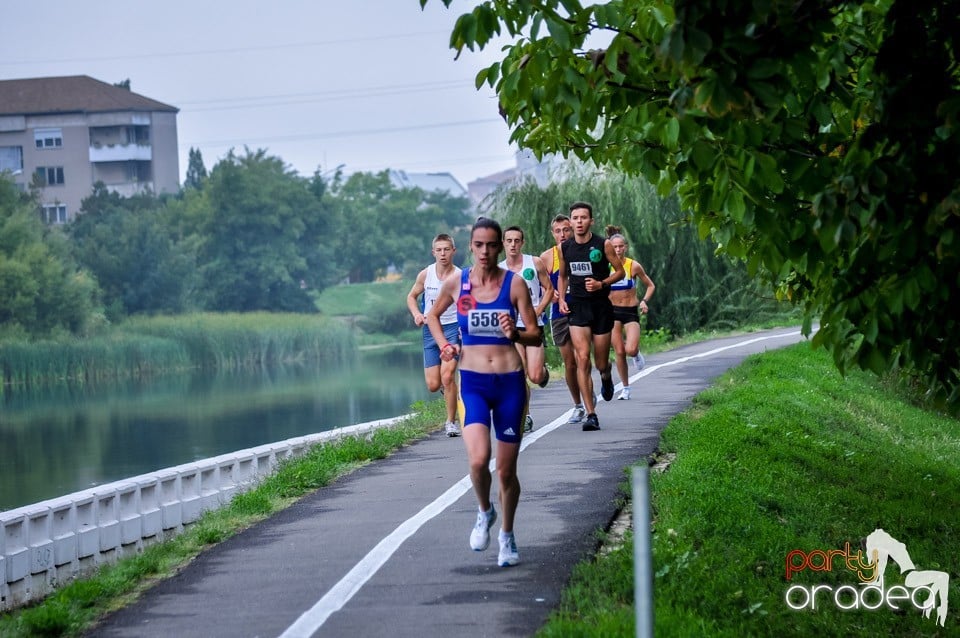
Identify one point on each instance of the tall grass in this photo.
(24, 362)
(150, 345)
(237, 340)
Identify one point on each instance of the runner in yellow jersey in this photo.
(627, 309)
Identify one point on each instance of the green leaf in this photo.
(823, 77)
(911, 293)
(671, 132)
(702, 155)
(735, 206)
(559, 31)
(697, 46)
(763, 68)
(465, 31)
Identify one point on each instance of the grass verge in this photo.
(76, 607)
(783, 454)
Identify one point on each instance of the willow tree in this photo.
(817, 140)
(696, 288)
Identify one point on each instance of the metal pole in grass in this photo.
(642, 570)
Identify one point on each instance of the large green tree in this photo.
(696, 288)
(816, 139)
(41, 289)
(133, 253)
(389, 225)
(250, 258)
(196, 171)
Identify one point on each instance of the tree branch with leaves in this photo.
(816, 140)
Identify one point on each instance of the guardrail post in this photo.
(642, 570)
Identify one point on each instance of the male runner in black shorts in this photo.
(589, 265)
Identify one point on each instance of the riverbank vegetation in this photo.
(783, 454)
(144, 346)
(143, 285)
(251, 236)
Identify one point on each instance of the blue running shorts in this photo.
(431, 351)
(502, 396)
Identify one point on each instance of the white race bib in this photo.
(484, 323)
(581, 268)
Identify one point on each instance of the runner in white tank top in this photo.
(535, 274)
(439, 374)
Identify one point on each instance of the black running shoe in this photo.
(591, 424)
(606, 384)
(546, 377)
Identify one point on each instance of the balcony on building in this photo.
(120, 144)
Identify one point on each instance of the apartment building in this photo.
(64, 134)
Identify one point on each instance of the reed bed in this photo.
(88, 360)
(150, 345)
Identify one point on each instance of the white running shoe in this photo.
(639, 362)
(509, 555)
(451, 428)
(480, 536)
(624, 394)
(579, 414)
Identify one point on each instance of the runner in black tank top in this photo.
(590, 265)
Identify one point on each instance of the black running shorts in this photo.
(596, 314)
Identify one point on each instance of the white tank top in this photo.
(431, 290)
(528, 272)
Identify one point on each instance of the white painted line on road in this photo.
(338, 596)
(529, 439)
(341, 593)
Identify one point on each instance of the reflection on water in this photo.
(68, 439)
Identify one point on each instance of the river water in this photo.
(63, 440)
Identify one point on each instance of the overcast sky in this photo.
(370, 84)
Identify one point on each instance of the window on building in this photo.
(11, 159)
(50, 175)
(48, 137)
(54, 213)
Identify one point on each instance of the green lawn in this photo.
(783, 455)
(352, 299)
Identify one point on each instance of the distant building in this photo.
(67, 133)
(428, 182)
(527, 167)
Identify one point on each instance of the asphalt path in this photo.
(384, 551)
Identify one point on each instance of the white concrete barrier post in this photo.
(49, 543)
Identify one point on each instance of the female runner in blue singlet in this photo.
(493, 390)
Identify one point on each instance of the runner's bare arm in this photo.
(641, 274)
(563, 281)
(520, 298)
(413, 304)
(444, 299)
(617, 272)
(546, 298)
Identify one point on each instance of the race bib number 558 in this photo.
(484, 323)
